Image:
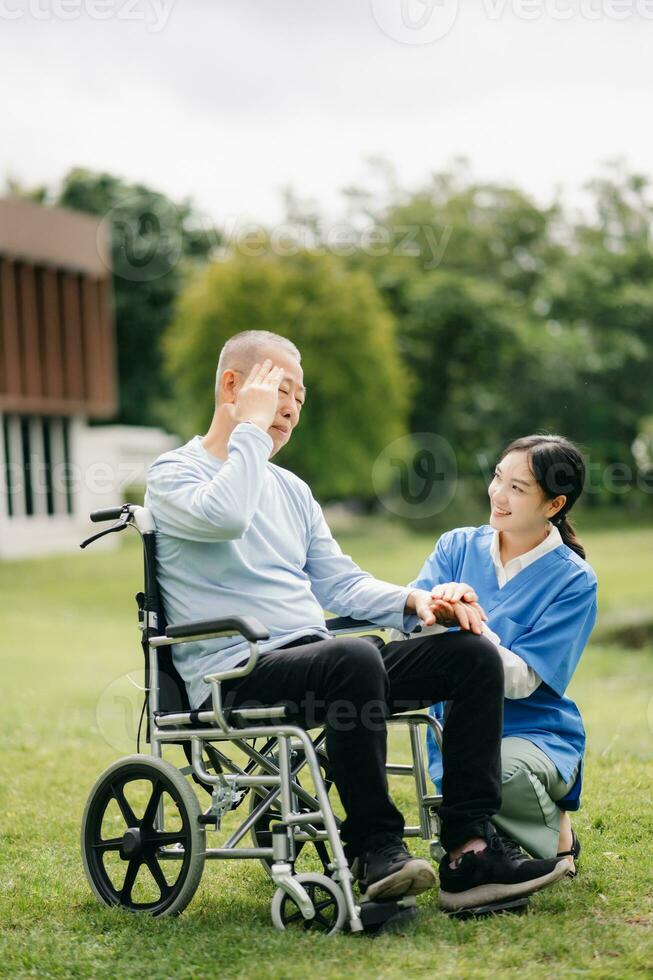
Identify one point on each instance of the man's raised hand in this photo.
(258, 397)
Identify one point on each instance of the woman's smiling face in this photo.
(517, 501)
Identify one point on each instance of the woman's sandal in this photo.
(574, 852)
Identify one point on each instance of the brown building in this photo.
(57, 371)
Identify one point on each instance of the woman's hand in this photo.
(454, 592)
(460, 606)
(467, 615)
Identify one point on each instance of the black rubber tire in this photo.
(165, 779)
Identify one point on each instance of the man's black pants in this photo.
(350, 685)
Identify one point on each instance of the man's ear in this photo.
(228, 386)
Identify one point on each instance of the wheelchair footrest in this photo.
(515, 906)
(380, 918)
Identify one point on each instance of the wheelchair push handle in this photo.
(120, 515)
(109, 514)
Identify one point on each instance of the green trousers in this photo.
(531, 784)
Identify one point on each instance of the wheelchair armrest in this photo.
(246, 626)
(346, 624)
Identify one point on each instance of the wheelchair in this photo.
(143, 813)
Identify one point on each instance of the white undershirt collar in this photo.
(508, 571)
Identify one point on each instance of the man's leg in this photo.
(342, 684)
(466, 670)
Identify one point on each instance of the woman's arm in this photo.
(520, 680)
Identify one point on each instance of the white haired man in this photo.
(239, 535)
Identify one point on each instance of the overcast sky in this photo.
(228, 101)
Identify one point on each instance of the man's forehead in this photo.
(292, 369)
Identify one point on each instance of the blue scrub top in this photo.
(545, 615)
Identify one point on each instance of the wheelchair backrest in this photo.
(172, 689)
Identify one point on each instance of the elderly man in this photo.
(239, 535)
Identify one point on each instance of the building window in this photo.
(37, 465)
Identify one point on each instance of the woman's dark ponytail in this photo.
(559, 468)
(568, 535)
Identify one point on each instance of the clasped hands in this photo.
(451, 604)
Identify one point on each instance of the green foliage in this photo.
(153, 242)
(605, 296)
(460, 307)
(357, 390)
(512, 319)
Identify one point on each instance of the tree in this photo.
(357, 391)
(460, 267)
(604, 295)
(154, 241)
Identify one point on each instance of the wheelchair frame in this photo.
(270, 774)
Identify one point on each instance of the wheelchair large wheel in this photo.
(262, 830)
(141, 814)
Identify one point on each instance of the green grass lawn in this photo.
(68, 641)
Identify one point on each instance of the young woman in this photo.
(528, 571)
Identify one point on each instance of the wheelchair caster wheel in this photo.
(328, 903)
(124, 842)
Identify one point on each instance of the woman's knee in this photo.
(512, 762)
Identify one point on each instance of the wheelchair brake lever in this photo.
(120, 525)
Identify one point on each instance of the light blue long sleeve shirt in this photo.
(244, 537)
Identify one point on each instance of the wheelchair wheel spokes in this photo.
(328, 904)
(118, 793)
(123, 866)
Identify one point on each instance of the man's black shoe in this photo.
(498, 873)
(513, 849)
(385, 869)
